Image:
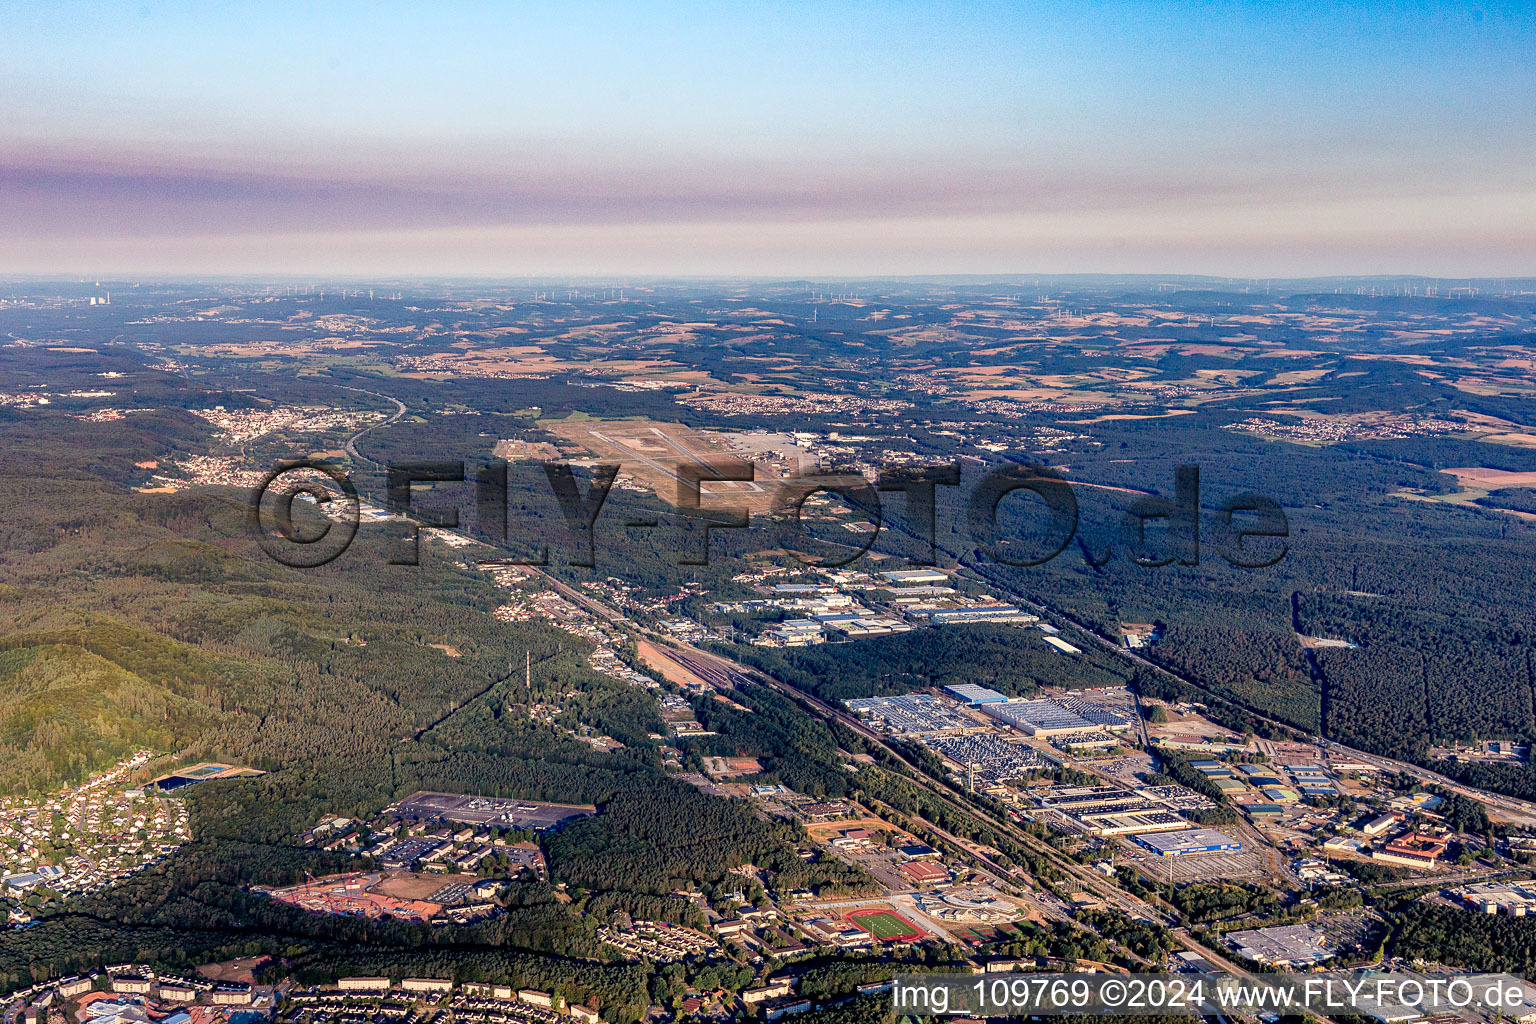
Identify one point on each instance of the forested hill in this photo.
(136, 620)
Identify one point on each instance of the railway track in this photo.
(714, 667)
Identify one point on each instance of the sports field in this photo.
(885, 925)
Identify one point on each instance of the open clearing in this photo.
(656, 452)
(1487, 479)
(672, 671)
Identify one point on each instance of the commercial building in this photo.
(1515, 899)
(1376, 826)
(860, 626)
(1108, 810)
(1061, 645)
(1294, 945)
(1041, 718)
(904, 577)
(1189, 842)
(1137, 634)
(1344, 844)
(1180, 798)
(970, 693)
(1083, 799)
(1082, 741)
(912, 595)
(1116, 823)
(794, 633)
(978, 613)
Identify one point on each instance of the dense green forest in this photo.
(1480, 942)
(147, 620)
(1004, 657)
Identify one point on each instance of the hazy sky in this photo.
(804, 139)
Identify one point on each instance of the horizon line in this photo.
(290, 276)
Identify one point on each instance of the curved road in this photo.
(351, 445)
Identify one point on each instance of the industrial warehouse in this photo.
(1049, 718)
(1516, 899)
(975, 696)
(1108, 811)
(1188, 842)
(914, 714)
(1293, 945)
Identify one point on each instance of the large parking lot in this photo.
(1128, 768)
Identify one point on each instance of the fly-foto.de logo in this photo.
(1246, 530)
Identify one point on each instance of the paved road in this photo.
(351, 445)
(1092, 881)
(713, 665)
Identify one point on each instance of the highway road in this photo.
(351, 445)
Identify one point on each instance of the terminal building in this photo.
(1189, 842)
